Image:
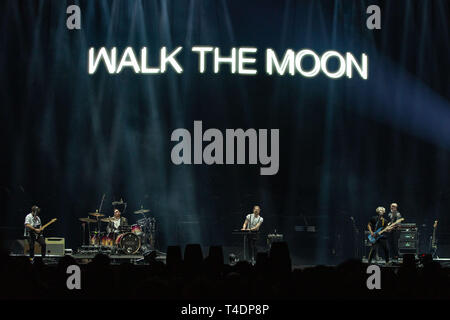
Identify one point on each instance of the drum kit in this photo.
(126, 239)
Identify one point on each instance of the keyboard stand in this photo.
(245, 234)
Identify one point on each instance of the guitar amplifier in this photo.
(55, 246)
(408, 236)
(407, 244)
(409, 247)
(407, 227)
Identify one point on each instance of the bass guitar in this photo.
(380, 231)
(36, 234)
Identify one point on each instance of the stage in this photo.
(85, 258)
(139, 259)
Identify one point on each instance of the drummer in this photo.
(116, 222)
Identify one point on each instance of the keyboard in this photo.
(244, 232)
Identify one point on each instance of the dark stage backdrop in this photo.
(346, 145)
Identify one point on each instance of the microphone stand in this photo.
(83, 226)
(98, 222)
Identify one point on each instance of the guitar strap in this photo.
(377, 226)
(36, 223)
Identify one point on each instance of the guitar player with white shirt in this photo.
(33, 232)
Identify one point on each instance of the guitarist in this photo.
(375, 223)
(394, 215)
(33, 232)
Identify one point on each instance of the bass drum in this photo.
(128, 242)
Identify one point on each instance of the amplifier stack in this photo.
(408, 241)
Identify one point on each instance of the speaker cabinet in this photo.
(407, 244)
(55, 246)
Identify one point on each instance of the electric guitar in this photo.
(36, 234)
(433, 240)
(380, 231)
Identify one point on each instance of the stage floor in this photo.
(138, 259)
(84, 258)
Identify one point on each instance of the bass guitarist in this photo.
(375, 223)
(33, 232)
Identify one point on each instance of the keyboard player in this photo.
(252, 223)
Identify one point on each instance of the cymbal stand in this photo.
(144, 230)
(89, 232)
(99, 234)
(98, 222)
(83, 226)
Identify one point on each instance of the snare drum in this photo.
(128, 242)
(136, 229)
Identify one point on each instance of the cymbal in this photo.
(142, 211)
(96, 214)
(110, 219)
(88, 220)
(116, 203)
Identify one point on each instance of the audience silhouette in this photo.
(195, 277)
